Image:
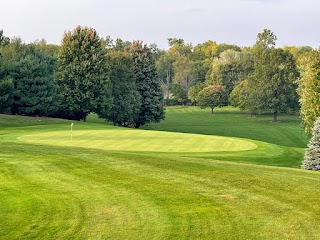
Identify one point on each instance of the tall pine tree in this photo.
(34, 89)
(125, 95)
(152, 107)
(29, 73)
(6, 88)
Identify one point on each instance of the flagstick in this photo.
(71, 131)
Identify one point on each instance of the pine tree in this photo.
(312, 155)
(34, 90)
(83, 76)
(126, 98)
(6, 88)
(152, 107)
(27, 77)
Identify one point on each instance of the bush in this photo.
(312, 155)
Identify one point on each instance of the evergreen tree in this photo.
(126, 98)
(34, 89)
(83, 77)
(152, 107)
(6, 88)
(312, 155)
(29, 73)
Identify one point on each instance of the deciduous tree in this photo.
(211, 96)
(274, 78)
(83, 76)
(309, 89)
(194, 92)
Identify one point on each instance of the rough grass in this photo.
(66, 192)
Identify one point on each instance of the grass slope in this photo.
(67, 192)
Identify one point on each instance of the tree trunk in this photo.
(211, 109)
(275, 116)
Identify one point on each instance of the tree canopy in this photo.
(148, 85)
(83, 76)
(211, 96)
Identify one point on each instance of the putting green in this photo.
(139, 140)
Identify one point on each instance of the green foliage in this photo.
(194, 92)
(29, 79)
(3, 39)
(266, 39)
(34, 89)
(6, 96)
(309, 89)
(244, 97)
(179, 48)
(178, 94)
(312, 155)
(272, 85)
(152, 106)
(224, 47)
(184, 72)
(211, 96)
(82, 76)
(230, 68)
(126, 98)
(206, 50)
(47, 49)
(6, 88)
(165, 71)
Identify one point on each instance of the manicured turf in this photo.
(98, 189)
(139, 140)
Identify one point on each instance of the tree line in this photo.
(260, 79)
(128, 83)
(84, 74)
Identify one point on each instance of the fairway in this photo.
(140, 140)
(218, 176)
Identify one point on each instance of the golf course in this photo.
(194, 175)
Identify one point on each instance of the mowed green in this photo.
(139, 140)
(55, 191)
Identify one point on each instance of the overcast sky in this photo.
(295, 22)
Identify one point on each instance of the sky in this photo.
(294, 22)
